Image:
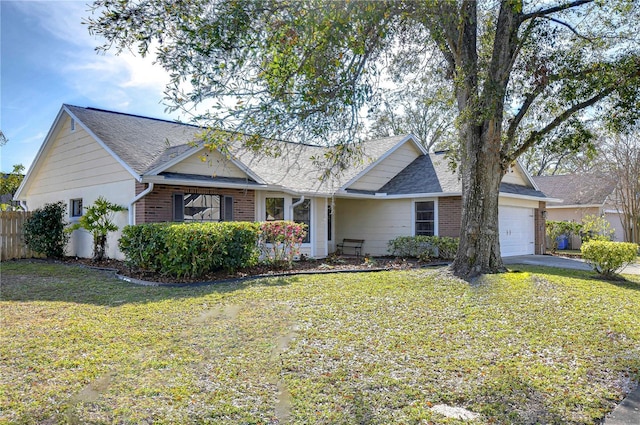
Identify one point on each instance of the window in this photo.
(196, 207)
(302, 214)
(73, 125)
(425, 219)
(274, 209)
(76, 207)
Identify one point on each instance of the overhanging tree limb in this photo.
(537, 135)
(555, 9)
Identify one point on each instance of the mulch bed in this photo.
(332, 264)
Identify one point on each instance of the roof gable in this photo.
(427, 174)
(382, 160)
(207, 162)
(139, 142)
(71, 156)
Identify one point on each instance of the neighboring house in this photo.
(158, 170)
(581, 195)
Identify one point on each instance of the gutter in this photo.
(136, 199)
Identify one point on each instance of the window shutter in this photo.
(178, 207)
(228, 208)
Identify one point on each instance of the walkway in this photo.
(561, 262)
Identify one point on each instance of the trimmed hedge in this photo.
(190, 249)
(608, 257)
(424, 247)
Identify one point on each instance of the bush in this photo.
(99, 221)
(555, 229)
(608, 257)
(44, 230)
(190, 249)
(424, 247)
(596, 228)
(280, 241)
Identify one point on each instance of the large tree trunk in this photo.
(482, 164)
(481, 172)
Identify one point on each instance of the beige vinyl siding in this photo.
(388, 168)
(517, 202)
(208, 164)
(571, 213)
(515, 176)
(319, 223)
(80, 243)
(75, 160)
(375, 221)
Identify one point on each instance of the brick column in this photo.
(540, 229)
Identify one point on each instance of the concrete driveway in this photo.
(561, 262)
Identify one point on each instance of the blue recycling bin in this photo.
(563, 242)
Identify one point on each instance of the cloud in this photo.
(61, 19)
(80, 64)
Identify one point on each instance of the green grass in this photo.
(539, 346)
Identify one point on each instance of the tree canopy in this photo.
(310, 70)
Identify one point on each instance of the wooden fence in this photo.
(12, 244)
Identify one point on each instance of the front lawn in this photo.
(539, 346)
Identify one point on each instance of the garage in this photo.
(517, 231)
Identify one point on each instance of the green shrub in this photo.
(555, 229)
(608, 257)
(190, 249)
(424, 247)
(99, 221)
(44, 230)
(596, 228)
(280, 241)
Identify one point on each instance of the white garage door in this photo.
(517, 231)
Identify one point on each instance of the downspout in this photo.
(296, 204)
(136, 199)
(23, 204)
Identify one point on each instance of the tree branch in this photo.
(515, 121)
(573, 30)
(536, 135)
(544, 12)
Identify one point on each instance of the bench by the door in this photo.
(354, 244)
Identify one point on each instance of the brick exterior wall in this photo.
(449, 216)
(540, 224)
(157, 206)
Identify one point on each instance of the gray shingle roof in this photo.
(138, 141)
(432, 174)
(577, 189)
(145, 144)
(295, 169)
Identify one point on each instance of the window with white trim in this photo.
(302, 214)
(274, 208)
(75, 207)
(425, 218)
